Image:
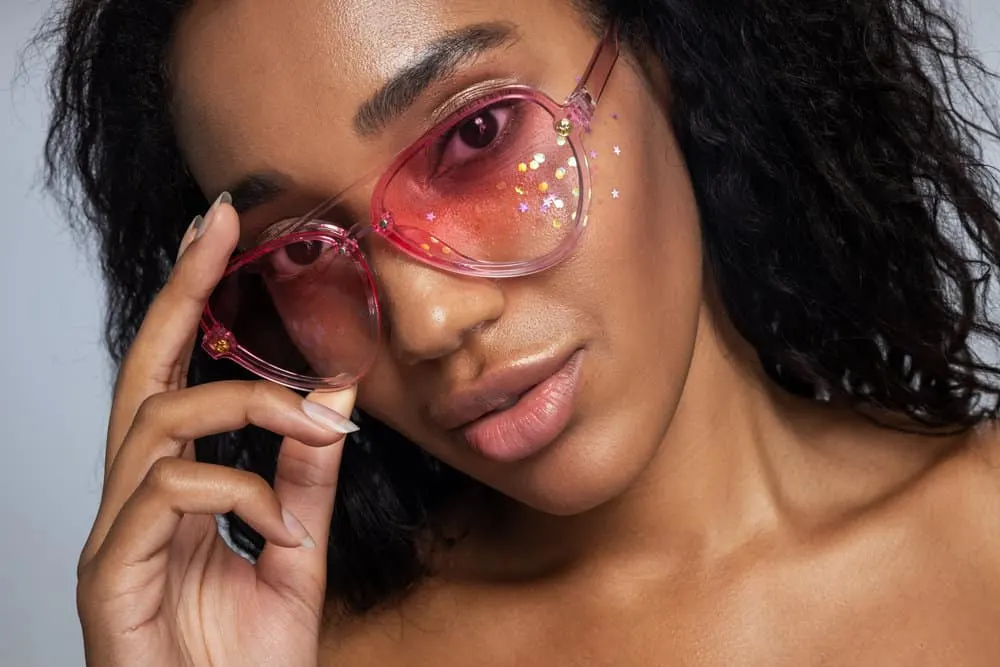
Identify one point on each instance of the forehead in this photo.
(275, 85)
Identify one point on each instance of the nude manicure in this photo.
(224, 198)
(328, 418)
(297, 530)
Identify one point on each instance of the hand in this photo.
(157, 586)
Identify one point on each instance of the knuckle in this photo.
(83, 566)
(163, 474)
(264, 397)
(264, 393)
(305, 472)
(248, 485)
(151, 410)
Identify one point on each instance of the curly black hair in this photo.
(835, 148)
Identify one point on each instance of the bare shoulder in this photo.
(961, 502)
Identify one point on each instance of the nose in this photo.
(429, 311)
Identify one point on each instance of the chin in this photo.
(586, 468)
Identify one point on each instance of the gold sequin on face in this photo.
(557, 224)
(543, 187)
(425, 246)
(539, 158)
(560, 173)
(560, 141)
(534, 164)
(571, 161)
(519, 190)
(522, 167)
(576, 192)
(446, 250)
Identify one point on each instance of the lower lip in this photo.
(531, 424)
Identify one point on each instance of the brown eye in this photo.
(297, 260)
(480, 131)
(304, 253)
(476, 136)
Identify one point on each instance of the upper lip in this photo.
(496, 389)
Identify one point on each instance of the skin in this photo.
(691, 513)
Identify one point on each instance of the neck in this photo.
(742, 461)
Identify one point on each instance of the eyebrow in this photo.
(437, 61)
(257, 189)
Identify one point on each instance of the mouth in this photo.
(515, 413)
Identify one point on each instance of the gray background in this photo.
(55, 377)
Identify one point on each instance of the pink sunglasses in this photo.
(499, 189)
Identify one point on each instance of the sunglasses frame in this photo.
(572, 120)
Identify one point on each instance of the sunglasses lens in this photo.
(302, 308)
(498, 186)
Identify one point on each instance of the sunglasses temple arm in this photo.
(598, 71)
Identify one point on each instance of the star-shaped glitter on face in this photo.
(593, 155)
(431, 217)
(615, 193)
(522, 207)
(617, 150)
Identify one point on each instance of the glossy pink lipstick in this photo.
(533, 422)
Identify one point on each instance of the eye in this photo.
(474, 135)
(290, 261)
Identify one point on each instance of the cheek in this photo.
(642, 253)
(643, 242)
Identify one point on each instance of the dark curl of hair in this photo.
(848, 219)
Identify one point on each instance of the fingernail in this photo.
(224, 198)
(195, 225)
(297, 530)
(328, 418)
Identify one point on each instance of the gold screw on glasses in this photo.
(221, 346)
(564, 127)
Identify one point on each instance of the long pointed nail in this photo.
(297, 530)
(328, 418)
(224, 198)
(190, 234)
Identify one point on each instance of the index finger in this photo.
(164, 341)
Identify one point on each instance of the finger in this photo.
(166, 337)
(166, 422)
(306, 484)
(172, 489)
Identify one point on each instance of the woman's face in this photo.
(601, 343)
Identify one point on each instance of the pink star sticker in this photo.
(618, 150)
(593, 155)
(431, 217)
(614, 193)
(522, 207)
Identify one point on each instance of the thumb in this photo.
(306, 483)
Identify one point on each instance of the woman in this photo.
(667, 359)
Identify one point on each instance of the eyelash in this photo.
(438, 147)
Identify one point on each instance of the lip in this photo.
(516, 412)
(496, 389)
